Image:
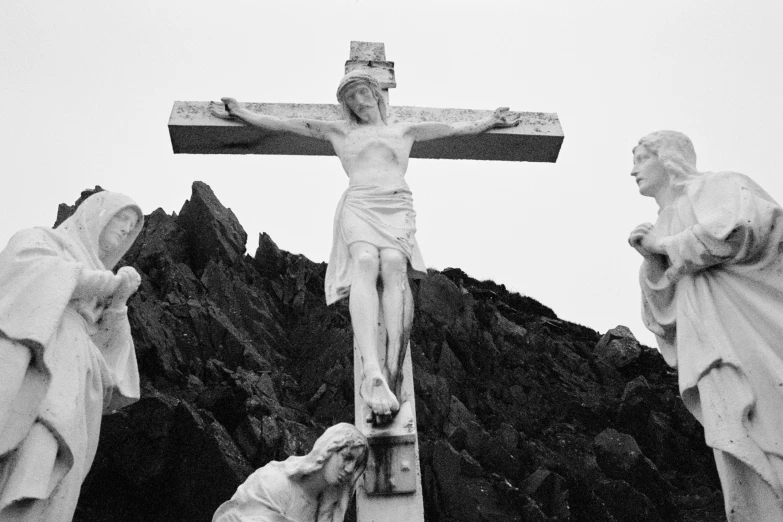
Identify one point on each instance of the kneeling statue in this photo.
(316, 487)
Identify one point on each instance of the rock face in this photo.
(522, 416)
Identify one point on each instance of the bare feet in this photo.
(382, 402)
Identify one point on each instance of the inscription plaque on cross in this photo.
(374, 248)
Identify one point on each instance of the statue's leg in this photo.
(397, 312)
(363, 305)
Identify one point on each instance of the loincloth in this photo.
(381, 216)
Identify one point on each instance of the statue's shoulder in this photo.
(341, 127)
(35, 237)
(271, 480)
(711, 181)
(725, 176)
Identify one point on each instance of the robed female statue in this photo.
(66, 353)
(314, 488)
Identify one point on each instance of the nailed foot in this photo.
(382, 402)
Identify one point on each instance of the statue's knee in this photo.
(366, 262)
(393, 263)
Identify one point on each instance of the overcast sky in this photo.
(87, 88)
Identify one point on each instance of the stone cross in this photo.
(194, 130)
(391, 490)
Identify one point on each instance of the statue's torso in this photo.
(374, 154)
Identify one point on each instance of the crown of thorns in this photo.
(354, 77)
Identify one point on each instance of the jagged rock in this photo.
(242, 362)
(465, 498)
(620, 458)
(182, 464)
(469, 466)
(506, 437)
(433, 399)
(210, 467)
(462, 427)
(249, 308)
(618, 347)
(213, 231)
(269, 260)
(509, 330)
(161, 245)
(449, 365)
(636, 406)
(443, 301)
(626, 503)
(497, 453)
(547, 489)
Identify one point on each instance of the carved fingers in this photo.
(638, 233)
(128, 282)
(645, 241)
(223, 110)
(95, 283)
(505, 118)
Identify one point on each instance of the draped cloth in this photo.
(63, 361)
(381, 216)
(268, 495)
(276, 492)
(715, 305)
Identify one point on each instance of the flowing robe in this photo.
(715, 304)
(268, 495)
(63, 362)
(275, 492)
(381, 216)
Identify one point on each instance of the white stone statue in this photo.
(712, 293)
(314, 488)
(66, 353)
(375, 224)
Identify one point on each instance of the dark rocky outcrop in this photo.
(522, 416)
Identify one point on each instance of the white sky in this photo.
(87, 88)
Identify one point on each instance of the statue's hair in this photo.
(334, 500)
(333, 440)
(352, 79)
(676, 153)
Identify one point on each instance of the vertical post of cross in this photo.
(370, 57)
(391, 489)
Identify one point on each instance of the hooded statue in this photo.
(279, 492)
(66, 353)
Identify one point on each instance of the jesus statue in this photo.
(375, 224)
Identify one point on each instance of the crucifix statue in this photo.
(375, 221)
(374, 246)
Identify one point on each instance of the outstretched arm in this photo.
(318, 129)
(501, 118)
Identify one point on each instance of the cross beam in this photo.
(194, 130)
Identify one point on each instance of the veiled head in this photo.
(105, 225)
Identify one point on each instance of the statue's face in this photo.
(361, 100)
(649, 172)
(117, 230)
(340, 467)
